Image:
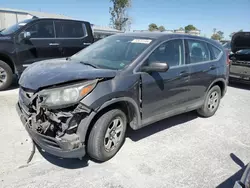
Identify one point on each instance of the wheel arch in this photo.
(126, 104)
(221, 83)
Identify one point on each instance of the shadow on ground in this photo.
(239, 85)
(229, 183)
(133, 135)
(65, 163)
(160, 126)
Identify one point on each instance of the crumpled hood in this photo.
(240, 41)
(56, 71)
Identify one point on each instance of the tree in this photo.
(152, 27)
(190, 28)
(221, 34)
(216, 36)
(181, 29)
(161, 28)
(214, 30)
(118, 11)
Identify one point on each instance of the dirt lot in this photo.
(184, 151)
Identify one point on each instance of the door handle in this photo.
(184, 74)
(54, 44)
(212, 67)
(86, 43)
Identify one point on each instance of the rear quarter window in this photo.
(70, 29)
(215, 52)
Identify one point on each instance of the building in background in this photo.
(10, 17)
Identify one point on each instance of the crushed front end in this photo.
(54, 130)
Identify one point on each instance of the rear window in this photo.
(216, 52)
(70, 29)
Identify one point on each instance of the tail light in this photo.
(228, 60)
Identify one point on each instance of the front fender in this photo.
(85, 124)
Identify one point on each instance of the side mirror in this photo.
(25, 35)
(155, 67)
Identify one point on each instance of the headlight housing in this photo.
(68, 95)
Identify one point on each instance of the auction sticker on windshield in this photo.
(141, 41)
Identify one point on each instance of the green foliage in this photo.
(216, 36)
(190, 28)
(118, 13)
(161, 28)
(152, 27)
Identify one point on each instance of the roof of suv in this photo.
(162, 35)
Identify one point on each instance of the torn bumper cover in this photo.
(66, 146)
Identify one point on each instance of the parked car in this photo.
(240, 57)
(38, 39)
(84, 103)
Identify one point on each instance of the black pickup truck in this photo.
(39, 39)
(240, 57)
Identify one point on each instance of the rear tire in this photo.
(6, 75)
(107, 135)
(211, 103)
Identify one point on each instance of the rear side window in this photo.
(216, 52)
(198, 51)
(42, 29)
(70, 29)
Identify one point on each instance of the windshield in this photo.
(113, 52)
(15, 27)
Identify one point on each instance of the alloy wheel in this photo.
(113, 134)
(3, 76)
(213, 101)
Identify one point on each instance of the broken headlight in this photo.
(63, 96)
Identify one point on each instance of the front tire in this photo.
(6, 75)
(212, 102)
(107, 135)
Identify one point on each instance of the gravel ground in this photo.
(183, 151)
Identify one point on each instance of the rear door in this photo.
(203, 67)
(73, 36)
(41, 45)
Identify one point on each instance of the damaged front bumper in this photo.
(67, 146)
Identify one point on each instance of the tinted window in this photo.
(113, 52)
(170, 52)
(198, 51)
(67, 29)
(216, 52)
(42, 29)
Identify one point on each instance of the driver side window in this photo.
(42, 29)
(170, 52)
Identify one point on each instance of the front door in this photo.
(41, 45)
(164, 92)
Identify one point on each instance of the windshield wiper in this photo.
(92, 65)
